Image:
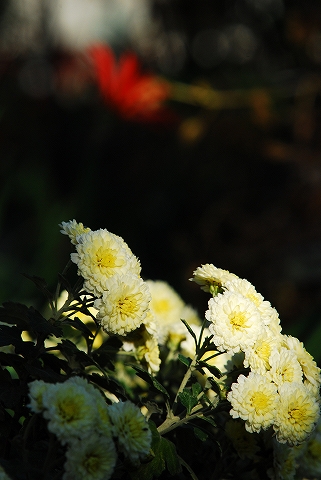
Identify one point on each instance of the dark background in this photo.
(238, 185)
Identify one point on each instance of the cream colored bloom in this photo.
(284, 462)
(244, 442)
(310, 459)
(311, 371)
(284, 366)
(245, 288)
(131, 430)
(70, 410)
(255, 400)
(91, 458)
(149, 352)
(73, 229)
(235, 321)
(100, 255)
(36, 391)
(124, 304)
(166, 307)
(208, 276)
(297, 414)
(258, 355)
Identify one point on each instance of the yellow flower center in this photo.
(260, 401)
(263, 351)
(296, 415)
(161, 306)
(238, 320)
(106, 258)
(128, 305)
(68, 409)
(92, 463)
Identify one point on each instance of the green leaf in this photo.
(196, 389)
(41, 284)
(208, 420)
(185, 360)
(140, 372)
(200, 434)
(188, 400)
(214, 386)
(10, 335)
(165, 458)
(214, 370)
(190, 331)
(78, 325)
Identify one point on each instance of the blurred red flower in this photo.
(132, 94)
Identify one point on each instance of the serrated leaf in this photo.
(14, 314)
(78, 325)
(185, 360)
(214, 386)
(188, 400)
(10, 335)
(41, 284)
(214, 370)
(200, 434)
(208, 420)
(140, 372)
(165, 457)
(73, 354)
(190, 330)
(196, 389)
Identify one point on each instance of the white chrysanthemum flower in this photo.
(92, 458)
(255, 400)
(284, 366)
(208, 276)
(130, 430)
(310, 458)
(272, 320)
(297, 414)
(103, 424)
(258, 355)
(244, 442)
(73, 229)
(100, 255)
(284, 462)
(311, 371)
(36, 391)
(70, 410)
(235, 321)
(149, 352)
(124, 304)
(166, 306)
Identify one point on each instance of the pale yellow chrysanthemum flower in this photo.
(258, 355)
(235, 322)
(36, 391)
(284, 366)
(311, 371)
(124, 304)
(100, 255)
(255, 400)
(149, 352)
(245, 443)
(91, 458)
(297, 414)
(70, 410)
(166, 306)
(102, 424)
(130, 430)
(284, 462)
(272, 320)
(310, 458)
(208, 276)
(73, 229)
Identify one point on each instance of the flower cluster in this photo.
(281, 388)
(93, 431)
